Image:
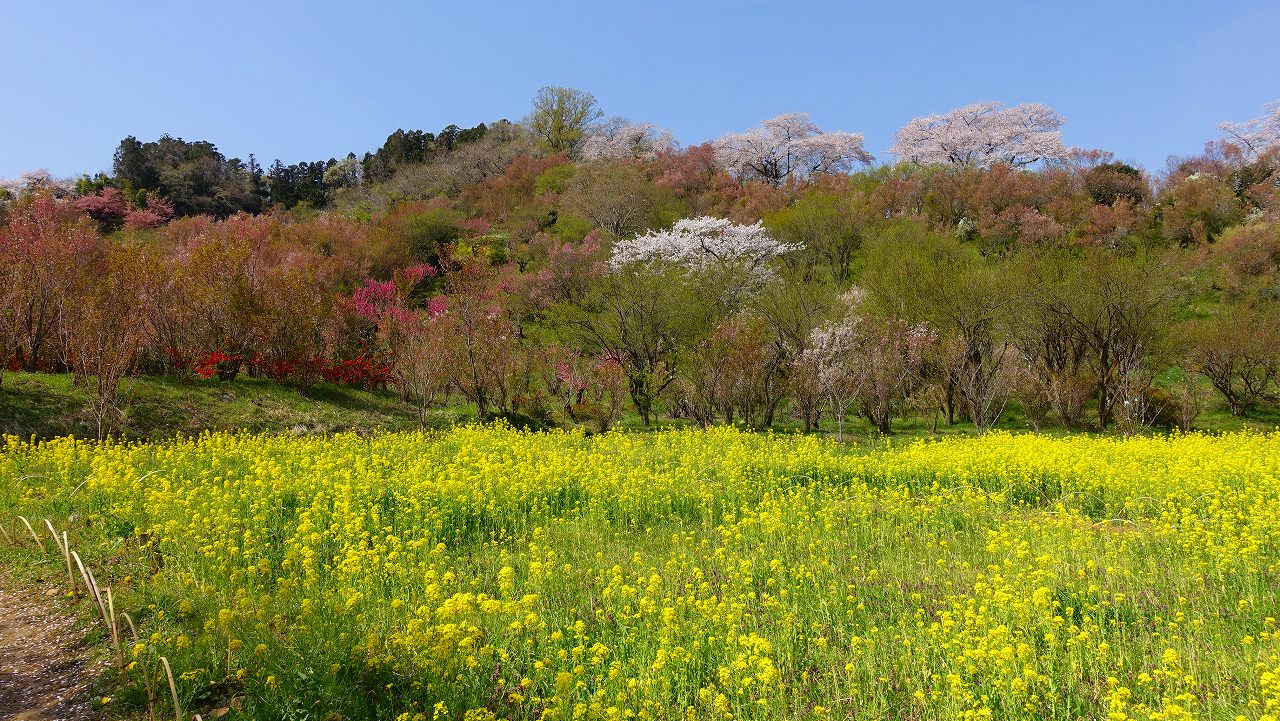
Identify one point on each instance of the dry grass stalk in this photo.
(133, 630)
(27, 523)
(173, 689)
(65, 548)
(115, 630)
(91, 586)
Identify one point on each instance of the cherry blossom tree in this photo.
(790, 146)
(621, 138)
(983, 134)
(726, 261)
(1259, 134)
(36, 181)
(701, 243)
(831, 362)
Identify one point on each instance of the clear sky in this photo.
(313, 80)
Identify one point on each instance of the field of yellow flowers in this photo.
(488, 573)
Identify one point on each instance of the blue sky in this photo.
(313, 80)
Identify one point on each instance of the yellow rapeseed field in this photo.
(488, 573)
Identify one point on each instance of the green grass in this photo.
(49, 405)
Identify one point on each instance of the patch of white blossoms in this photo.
(1257, 135)
(787, 146)
(702, 243)
(981, 134)
(623, 139)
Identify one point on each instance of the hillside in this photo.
(46, 405)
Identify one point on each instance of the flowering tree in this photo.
(225, 270)
(790, 146)
(608, 389)
(36, 181)
(620, 138)
(107, 206)
(568, 375)
(1259, 134)
(727, 260)
(702, 243)
(43, 249)
(483, 342)
(156, 212)
(568, 273)
(983, 134)
(420, 366)
(831, 363)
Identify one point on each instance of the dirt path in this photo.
(44, 668)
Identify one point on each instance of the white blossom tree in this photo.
(833, 366)
(726, 261)
(790, 146)
(621, 138)
(701, 243)
(36, 180)
(982, 134)
(1257, 135)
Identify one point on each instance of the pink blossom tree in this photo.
(108, 206)
(156, 212)
(1257, 135)
(790, 146)
(983, 134)
(44, 250)
(621, 138)
(832, 365)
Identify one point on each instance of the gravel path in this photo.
(44, 667)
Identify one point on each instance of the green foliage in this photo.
(829, 226)
(560, 116)
(46, 405)
(425, 234)
(193, 176)
(555, 179)
(571, 227)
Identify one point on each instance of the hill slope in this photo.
(46, 405)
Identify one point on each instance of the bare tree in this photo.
(102, 332)
(1238, 351)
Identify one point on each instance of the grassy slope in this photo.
(48, 405)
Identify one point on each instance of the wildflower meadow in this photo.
(490, 573)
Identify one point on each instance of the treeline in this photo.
(194, 178)
(563, 266)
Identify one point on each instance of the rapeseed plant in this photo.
(490, 573)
